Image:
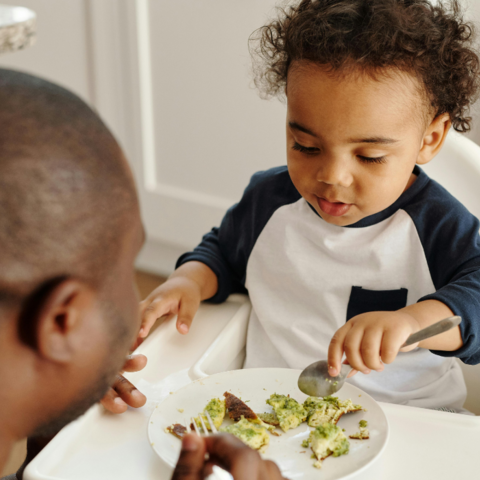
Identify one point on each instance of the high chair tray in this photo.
(423, 444)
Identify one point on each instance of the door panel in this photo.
(204, 129)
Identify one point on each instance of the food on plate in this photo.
(363, 433)
(236, 408)
(216, 409)
(177, 429)
(289, 412)
(327, 439)
(254, 435)
(270, 418)
(327, 409)
(253, 429)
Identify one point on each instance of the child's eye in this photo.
(307, 150)
(372, 159)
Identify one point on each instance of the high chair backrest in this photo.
(457, 168)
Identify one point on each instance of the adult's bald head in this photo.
(66, 193)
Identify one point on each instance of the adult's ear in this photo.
(434, 138)
(52, 315)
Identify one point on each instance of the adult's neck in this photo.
(6, 445)
(15, 400)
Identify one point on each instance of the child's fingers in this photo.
(352, 373)
(134, 363)
(391, 342)
(128, 392)
(113, 403)
(335, 350)
(188, 309)
(352, 344)
(153, 311)
(370, 349)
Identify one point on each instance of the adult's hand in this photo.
(123, 393)
(226, 451)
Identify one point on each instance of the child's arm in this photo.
(180, 295)
(217, 267)
(449, 235)
(372, 339)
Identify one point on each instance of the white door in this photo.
(200, 128)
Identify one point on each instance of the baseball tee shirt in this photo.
(306, 278)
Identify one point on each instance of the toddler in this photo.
(351, 247)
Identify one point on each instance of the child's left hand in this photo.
(370, 340)
(123, 393)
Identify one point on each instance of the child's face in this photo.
(353, 142)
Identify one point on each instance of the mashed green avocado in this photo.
(328, 439)
(216, 409)
(327, 409)
(255, 436)
(289, 412)
(269, 418)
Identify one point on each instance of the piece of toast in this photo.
(237, 409)
(346, 413)
(328, 409)
(358, 436)
(177, 430)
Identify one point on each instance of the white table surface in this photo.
(423, 444)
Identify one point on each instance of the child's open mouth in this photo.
(336, 209)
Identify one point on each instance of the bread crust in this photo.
(344, 413)
(237, 408)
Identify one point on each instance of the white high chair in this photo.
(99, 446)
(457, 168)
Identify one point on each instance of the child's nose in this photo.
(334, 172)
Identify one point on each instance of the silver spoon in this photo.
(317, 382)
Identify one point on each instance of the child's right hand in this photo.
(180, 295)
(177, 296)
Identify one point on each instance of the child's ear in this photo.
(434, 138)
(52, 319)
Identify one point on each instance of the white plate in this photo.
(256, 385)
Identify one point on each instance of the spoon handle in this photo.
(435, 329)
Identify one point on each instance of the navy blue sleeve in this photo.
(226, 249)
(450, 237)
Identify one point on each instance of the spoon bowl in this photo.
(317, 382)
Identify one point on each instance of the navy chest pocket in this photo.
(363, 301)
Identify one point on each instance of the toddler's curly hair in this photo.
(432, 42)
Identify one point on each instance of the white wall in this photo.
(61, 52)
(179, 100)
(205, 130)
